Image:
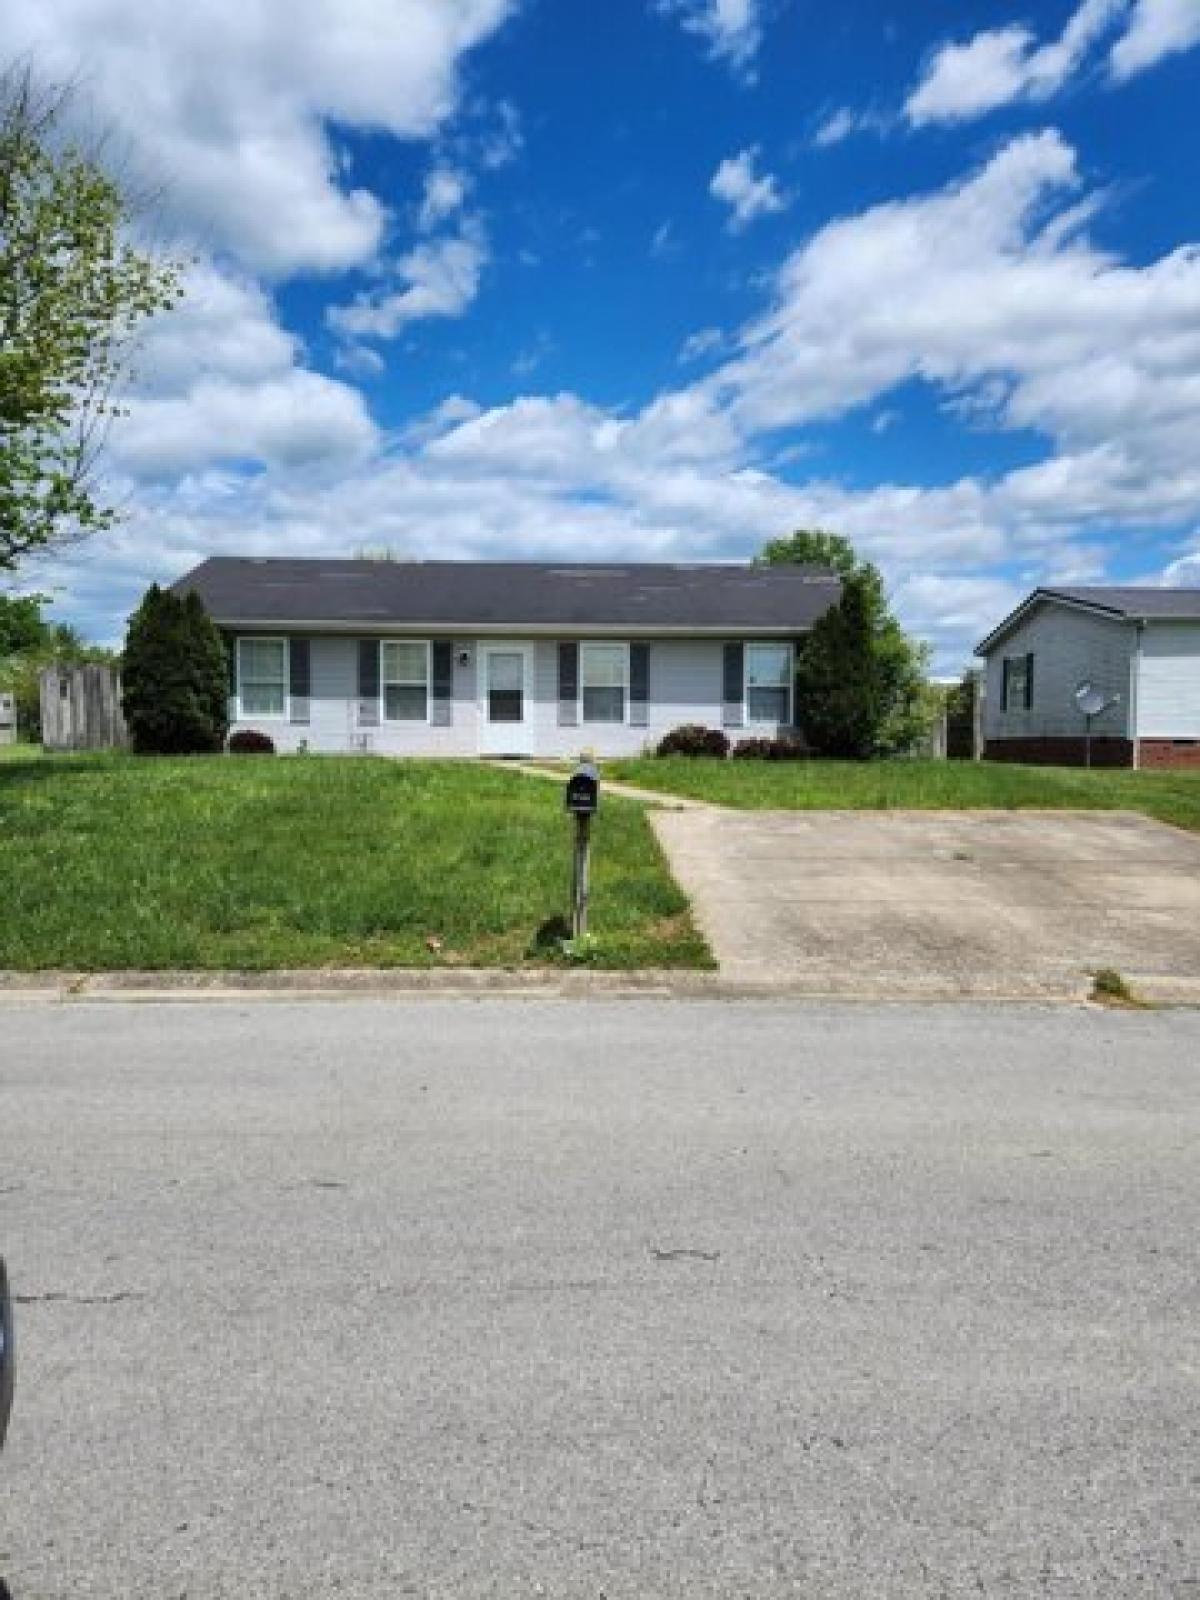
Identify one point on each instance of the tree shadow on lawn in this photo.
(26, 770)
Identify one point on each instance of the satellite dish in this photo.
(1090, 700)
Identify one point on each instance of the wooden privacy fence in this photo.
(81, 709)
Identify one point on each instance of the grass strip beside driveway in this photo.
(915, 785)
(113, 862)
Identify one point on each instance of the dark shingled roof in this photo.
(1153, 604)
(1127, 603)
(509, 594)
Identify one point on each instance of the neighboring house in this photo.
(1139, 647)
(506, 658)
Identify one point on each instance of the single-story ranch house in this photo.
(506, 658)
(1138, 647)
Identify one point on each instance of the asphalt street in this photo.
(606, 1298)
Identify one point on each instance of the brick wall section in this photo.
(1062, 752)
(1154, 755)
(1168, 753)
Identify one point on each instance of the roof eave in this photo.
(509, 630)
(1014, 618)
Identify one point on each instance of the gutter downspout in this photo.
(1135, 680)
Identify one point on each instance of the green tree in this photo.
(840, 693)
(73, 290)
(22, 626)
(174, 677)
(900, 708)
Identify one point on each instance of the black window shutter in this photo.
(231, 659)
(368, 683)
(443, 683)
(1004, 666)
(568, 683)
(639, 685)
(1029, 681)
(299, 676)
(732, 714)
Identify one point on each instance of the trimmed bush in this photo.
(174, 677)
(250, 742)
(770, 750)
(693, 739)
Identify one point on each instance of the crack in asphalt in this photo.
(60, 1296)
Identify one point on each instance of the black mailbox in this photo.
(583, 790)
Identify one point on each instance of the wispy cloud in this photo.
(438, 279)
(1007, 64)
(748, 194)
(705, 342)
(733, 28)
(445, 192)
(845, 123)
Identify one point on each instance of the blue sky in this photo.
(658, 279)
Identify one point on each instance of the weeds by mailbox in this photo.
(582, 802)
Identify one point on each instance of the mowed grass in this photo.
(110, 862)
(915, 785)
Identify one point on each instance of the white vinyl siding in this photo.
(769, 679)
(1168, 704)
(1069, 647)
(262, 674)
(604, 682)
(685, 684)
(404, 680)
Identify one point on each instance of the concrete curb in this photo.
(347, 984)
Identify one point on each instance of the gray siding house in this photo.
(1139, 646)
(446, 658)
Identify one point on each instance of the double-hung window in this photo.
(1016, 690)
(769, 683)
(405, 678)
(604, 680)
(263, 677)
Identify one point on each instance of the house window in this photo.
(769, 683)
(1017, 687)
(405, 679)
(604, 676)
(263, 677)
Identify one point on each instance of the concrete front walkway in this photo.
(627, 791)
(986, 903)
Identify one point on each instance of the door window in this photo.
(506, 686)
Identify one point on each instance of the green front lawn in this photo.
(115, 862)
(917, 785)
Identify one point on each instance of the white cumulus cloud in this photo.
(1002, 65)
(1157, 29)
(220, 381)
(227, 104)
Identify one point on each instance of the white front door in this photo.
(506, 699)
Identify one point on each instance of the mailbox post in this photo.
(583, 801)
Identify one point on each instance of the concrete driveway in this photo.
(942, 903)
